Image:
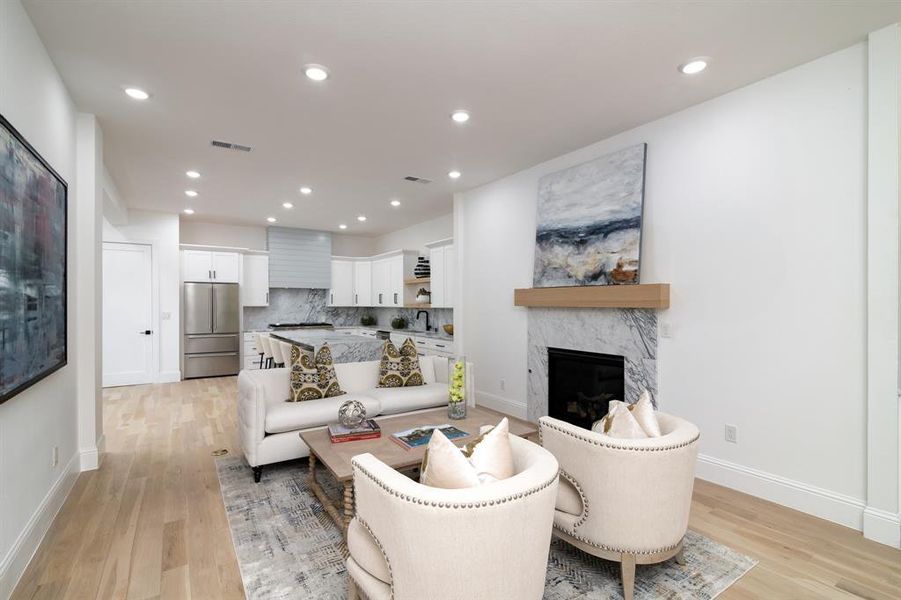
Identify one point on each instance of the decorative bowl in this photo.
(449, 329)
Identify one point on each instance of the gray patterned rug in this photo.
(288, 547)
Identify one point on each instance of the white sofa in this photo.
(410, 541)
(270, 426)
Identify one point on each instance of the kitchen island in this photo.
(345, 347)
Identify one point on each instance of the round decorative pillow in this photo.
(351, 413)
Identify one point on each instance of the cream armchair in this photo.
(624, 500)
(409, 541)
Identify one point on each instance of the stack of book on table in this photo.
(367, 430)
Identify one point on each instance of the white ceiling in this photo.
(540, 78)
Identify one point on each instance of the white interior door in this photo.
(127, 314)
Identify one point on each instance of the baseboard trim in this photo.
(882, 526)
(822, 503)
(168, 377)
(91, 458)
(25, 546)
(498, 403)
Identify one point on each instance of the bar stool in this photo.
(266, 343)
(286, 352)
(277, 358)
(258, 344)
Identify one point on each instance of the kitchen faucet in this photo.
(426, 313)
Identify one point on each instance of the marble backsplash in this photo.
(628, 332)
(309, 306)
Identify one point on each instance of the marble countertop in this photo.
(439, 335)
(312, 339)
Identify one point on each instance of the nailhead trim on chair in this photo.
(610, 548)
(582, 495)
(454, 505)
(382, 550)
(611, 446)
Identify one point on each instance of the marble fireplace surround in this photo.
(628, 332)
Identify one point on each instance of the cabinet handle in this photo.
(209, 274)
(356, 298)
(267, 297)
(380, 298)
(395, 297)
(214, 273)
(332, 296)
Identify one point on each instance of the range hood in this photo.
(299, 258)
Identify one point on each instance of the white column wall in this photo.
(881, 516)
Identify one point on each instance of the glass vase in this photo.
(456, 388)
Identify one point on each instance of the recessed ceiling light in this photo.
(287, 205)
(454, 174)
(271, 219)
(192, 174)
(361, 218)
(342, 226)
(189, 211)
(694, 66)
(316, 72)
(395, 203)
(460, 116)
(306, 191)
(190, 193)
(136, 93)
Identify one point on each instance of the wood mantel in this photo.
(644, 295)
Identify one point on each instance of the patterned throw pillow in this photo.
(313, 377)
(400, 368)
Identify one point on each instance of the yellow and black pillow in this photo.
(313, 377)
(400, 368)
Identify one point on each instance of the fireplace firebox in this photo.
(582, 384)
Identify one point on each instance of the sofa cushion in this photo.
(363, 548)
(568, 498)
(358, 377)
(619, 423)
(313, 377)
(405, 399)
(400, 367)
(291, 416)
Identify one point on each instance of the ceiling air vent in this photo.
(231, 146)
(421, 180)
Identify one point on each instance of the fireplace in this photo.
(582, 384)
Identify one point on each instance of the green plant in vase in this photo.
(456, 402)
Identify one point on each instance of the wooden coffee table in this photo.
(337, 457)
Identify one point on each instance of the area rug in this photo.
(288, 547)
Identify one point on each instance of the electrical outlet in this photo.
(732, 434)
(54, 457)
(503, 384)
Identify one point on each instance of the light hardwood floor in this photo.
(150, 522)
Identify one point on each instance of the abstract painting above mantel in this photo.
(589, 222)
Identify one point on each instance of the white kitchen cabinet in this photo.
(395, 281)
(203, 265)
(342, 290)
(255, 288)
(381, 286)
(443, 260)
(363, 273)
(227, 267)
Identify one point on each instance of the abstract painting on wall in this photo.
(32, 265)
(589, 222)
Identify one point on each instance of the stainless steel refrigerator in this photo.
(211, 345)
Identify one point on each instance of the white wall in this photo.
(352, 245)
(34, 99)
(416, 236)
(755, 212)
(162, 229)
(219, 234)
